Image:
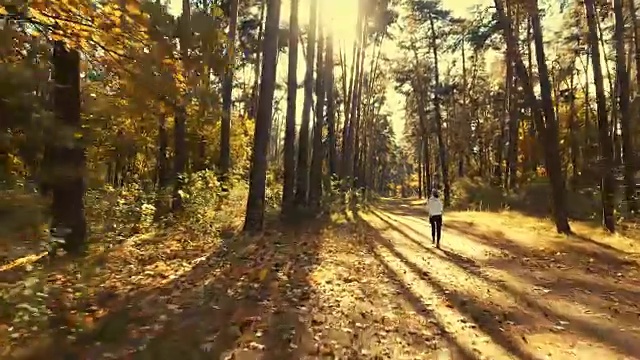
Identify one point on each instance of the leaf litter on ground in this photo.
(307, 293)
(314, 292)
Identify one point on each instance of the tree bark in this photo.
(573, 131)
(622, 74)
(254, 218)
(317, 159)
(253, 106)
(514, 121)
(438, 117)
(66, 159)
(180, 117)
(606, 147)
(636, 43)
(331, 111)
(548, 132)
(288, 187)
(227, 91)
(302, 175)
(420, 169)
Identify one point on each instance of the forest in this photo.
(247, 179)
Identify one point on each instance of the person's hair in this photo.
(434, 193)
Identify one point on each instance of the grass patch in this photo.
(534, 200)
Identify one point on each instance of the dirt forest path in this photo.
(504, 291)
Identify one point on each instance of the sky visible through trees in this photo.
(341, 20)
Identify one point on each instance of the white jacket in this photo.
(434, 206)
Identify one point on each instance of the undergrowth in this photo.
(535, 199)
(134, 244)
(118, 218)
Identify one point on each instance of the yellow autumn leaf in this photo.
(56, 37)
(216, 11)
(38, 15)
(263, 274)
(133, 8)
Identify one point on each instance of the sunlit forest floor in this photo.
(366, 285)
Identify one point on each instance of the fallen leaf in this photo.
(263, 274)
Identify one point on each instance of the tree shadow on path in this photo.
(623, 341)
(563, 268)
(584, 241)
(465, 304)
(573, 254)
(372, 238)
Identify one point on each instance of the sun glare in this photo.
(338, 17)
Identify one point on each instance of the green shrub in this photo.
(273, 191)
(533, 198)
(474, 194)
(117, 212)
(23, 223)
(201, 196)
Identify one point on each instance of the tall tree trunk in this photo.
(369, 114)
(253, 106)
(420, 88)
(514, 121)
(573, 131)
(348, 135)
(420, 169)
(514, 125)
(550, 128)
(66, 159)
(357, 111)
(625, 115)
(465, 112)
(331, 111)
(438, 116)
(348, 90)
(615, 139)
(180, 118)
(179, 157)
(317, 160)
(606, 146)
(428, 183)
(548, 132)
(533, 151)
(498, 143)
(587, 106)
(288, 186)
(302, 175)
(227, 91)
(162, 159)
(254, 218)
(636, 43)
(162, 168)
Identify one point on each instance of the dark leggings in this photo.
(436, 228)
